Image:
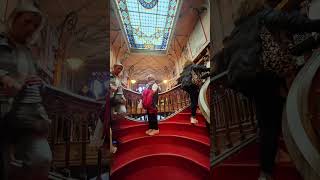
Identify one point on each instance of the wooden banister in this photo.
(74, 119)
(204, 100)
(169, 102)
(299, 130)
(233, 123)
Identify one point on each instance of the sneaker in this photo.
(193, 120)
(148, 131)
(154, 132)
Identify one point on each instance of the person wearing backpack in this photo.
(149, 101)
(259, 64)
(191, 84)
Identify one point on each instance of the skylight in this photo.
(148, 24)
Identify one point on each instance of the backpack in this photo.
(186, 82)
(244, 54)
(196, 78)
(147, 98)
(189, 78)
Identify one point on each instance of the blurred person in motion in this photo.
(25, 152)
(260, 66)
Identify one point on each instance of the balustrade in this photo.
(233, 121)
(169, 102)
(73, 122)
(301, 120)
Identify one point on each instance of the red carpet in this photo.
(180, 151)
(244, 165)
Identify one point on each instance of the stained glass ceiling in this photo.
(148, 24)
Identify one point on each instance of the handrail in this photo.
(71, 95)
(169, 102)
(73, 121)
(56, 176)
(233, 121)
(167, 91)
(299, 134)
(203, 100)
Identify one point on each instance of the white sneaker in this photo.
(148, 131)
(193, 120)
(154, 132)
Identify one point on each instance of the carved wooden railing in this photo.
(233, 121)
(301, 127)
(56, 176)
(73, 121)
(169, 102)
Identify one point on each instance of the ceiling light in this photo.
(75, 63)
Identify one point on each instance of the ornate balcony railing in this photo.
(169, 102)
(233, 121)
(301, 127)
(74, 119)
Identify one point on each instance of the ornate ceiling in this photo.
(90, 28)
(91, 34)
(162, 66)
(147, 24)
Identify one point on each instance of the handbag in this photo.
(196, 80)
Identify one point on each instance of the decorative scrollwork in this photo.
(69, 23)
(148, 4)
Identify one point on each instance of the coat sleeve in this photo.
(200, 68)
(290, 22)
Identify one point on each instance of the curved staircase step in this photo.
(122, 124)
(244, 165)
(157, 145)
(251, 172)
(166, 129)
(180, 151)
(162, 167)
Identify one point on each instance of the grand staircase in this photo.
(234, 141)
(180, 151)
(244, 165)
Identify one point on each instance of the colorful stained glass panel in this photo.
(148, 23)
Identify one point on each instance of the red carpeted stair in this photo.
(244, 165)
(180, 151)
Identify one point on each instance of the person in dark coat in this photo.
(192, 89)
(277, 67)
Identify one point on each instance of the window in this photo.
(148, 24)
